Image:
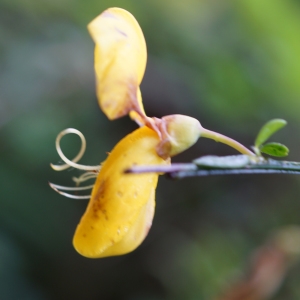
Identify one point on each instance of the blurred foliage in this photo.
(231, 64)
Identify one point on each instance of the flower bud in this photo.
(179, 132)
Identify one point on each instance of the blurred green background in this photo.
(231, 64)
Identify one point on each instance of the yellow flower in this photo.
(121, 207)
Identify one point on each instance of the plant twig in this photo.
(201, 172)
(182, 170)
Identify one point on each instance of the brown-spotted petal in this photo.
(120, 61)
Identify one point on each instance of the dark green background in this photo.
(231, 64)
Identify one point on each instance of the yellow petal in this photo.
(137, 233)
(120, 61)
(121, 207)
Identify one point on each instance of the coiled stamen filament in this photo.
(84, 177)
(73, 162)
(59, 188)
(92, 171)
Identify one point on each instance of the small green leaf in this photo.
(268, 130)
(275, 149)
(226, 162)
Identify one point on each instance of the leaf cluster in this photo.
(273, 149)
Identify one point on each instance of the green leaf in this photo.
(226, 162)
(275, 149)
(268, 130)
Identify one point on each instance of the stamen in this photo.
(72, 163)
(84, 177)
(56, 188)
(68, 188)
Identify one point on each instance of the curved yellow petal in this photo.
(120, 61)
(121, 207)
(137, 233)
